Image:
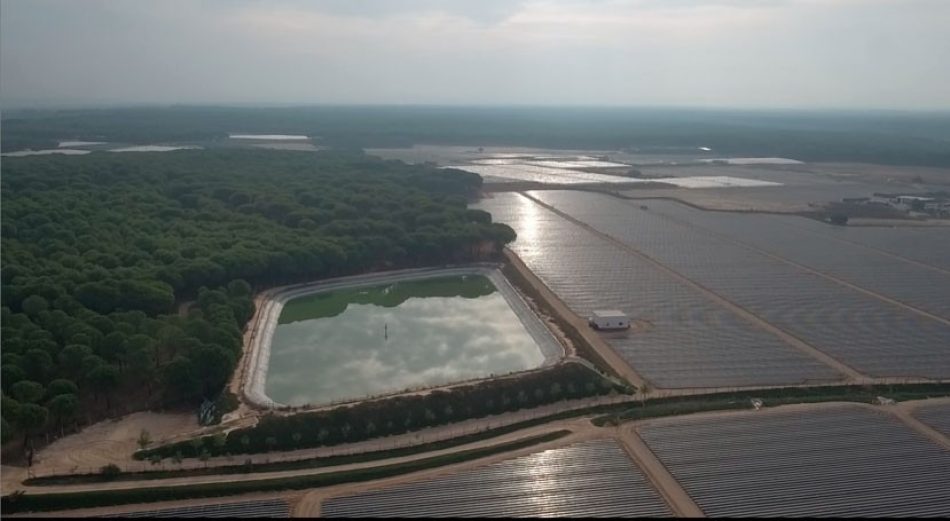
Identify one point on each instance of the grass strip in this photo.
(15, 503)
(660, 407)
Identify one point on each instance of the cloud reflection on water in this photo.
(430, 341)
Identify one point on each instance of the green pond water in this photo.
(357, 342)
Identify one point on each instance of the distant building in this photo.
(908, 202)
(935, 204)
(609, 319)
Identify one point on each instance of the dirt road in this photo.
(618, 364)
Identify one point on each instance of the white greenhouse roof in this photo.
(609, 313)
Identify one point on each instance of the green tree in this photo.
(539, 395)
(196, 445)
(6, 431)
(104, 379)
(219, 441)
(144, 439)
(63, 407)
(61, 386)
(30, 418)
(141, 365)
(9, 375)
(9, 408)
(239, 288)
(204, 456)
(180, 380)
(72, 356)
(37, 363)
(34, 305)
(110, 472)
(98, 296)
(28, 392)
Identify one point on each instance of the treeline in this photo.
(874, 137)
(398, 415)
(98, 252)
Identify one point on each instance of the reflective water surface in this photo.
(365, 341)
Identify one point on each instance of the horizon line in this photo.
(38, 107)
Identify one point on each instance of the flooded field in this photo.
(63, 151)
(572, 170)
(154, 148)
(269, 137)
(355, 342)
(68, 144)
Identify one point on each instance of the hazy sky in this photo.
(743, 53)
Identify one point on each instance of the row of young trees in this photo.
(397, 415)
(99, 251)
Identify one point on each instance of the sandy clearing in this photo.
(110, 441)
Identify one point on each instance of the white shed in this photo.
(609, 319)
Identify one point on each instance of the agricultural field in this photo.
(683, 338)
(831, 252)
(936, 416)
(831, 461)
(572, 170)
(593, 478)
(927, 245)
(874, 336)
(271, 508)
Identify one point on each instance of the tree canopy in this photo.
(100, 251)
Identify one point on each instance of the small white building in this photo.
(906, 202)
(609, 319)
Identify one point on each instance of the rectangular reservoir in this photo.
(385, 336)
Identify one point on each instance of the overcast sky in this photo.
(732, 53)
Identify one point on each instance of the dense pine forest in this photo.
(128, 278)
